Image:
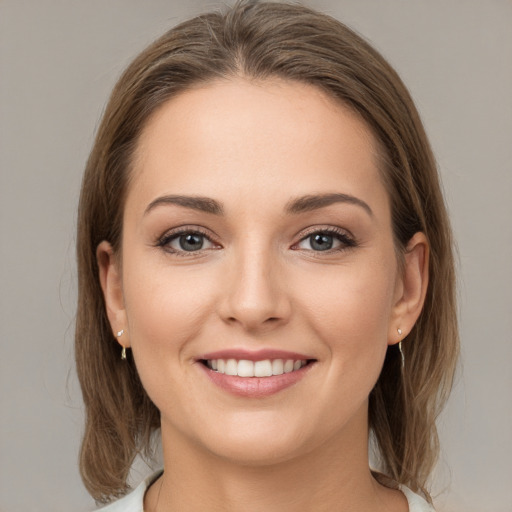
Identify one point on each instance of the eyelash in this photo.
(167, 238)
(163, 242)
(347, 241)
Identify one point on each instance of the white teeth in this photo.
(277, 367)
(264, 368)
(288, 366)
(231, 367)
(245, 368)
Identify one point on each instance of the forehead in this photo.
(250, 136)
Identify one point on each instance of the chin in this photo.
(261, 439)
(256, 453)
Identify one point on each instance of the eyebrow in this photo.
(295, 206)
(203, 204)
(315, 202)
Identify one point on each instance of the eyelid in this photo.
(171, 234)
(344, 236)
(336, 230)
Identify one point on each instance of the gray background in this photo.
(58, 62)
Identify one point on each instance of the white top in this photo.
(134, 502)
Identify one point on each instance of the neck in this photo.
(196, 480)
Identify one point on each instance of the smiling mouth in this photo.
(263, 368)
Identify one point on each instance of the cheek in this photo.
(351, 311)
(166, 308)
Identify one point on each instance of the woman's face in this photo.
(256, 229)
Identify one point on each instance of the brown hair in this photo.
(260, 40)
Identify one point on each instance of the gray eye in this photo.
(325, 241)
(321, 241)
(187, 242)
(191, 242)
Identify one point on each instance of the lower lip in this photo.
(255, 387)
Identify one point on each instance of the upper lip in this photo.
(254, 355)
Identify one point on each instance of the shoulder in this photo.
(416, 502)
(133, 502)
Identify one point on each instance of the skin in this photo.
(258, 283)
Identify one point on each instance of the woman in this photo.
(265, 274)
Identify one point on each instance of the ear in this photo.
(111, 284)
(411, 288)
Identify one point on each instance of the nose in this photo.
(255, 296)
